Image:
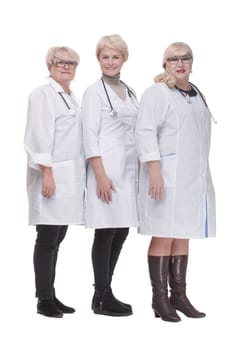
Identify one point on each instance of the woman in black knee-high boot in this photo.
(109, 114)
(56, 171)
(176, 194)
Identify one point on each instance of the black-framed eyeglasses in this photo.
(64, 63)
(183, 59)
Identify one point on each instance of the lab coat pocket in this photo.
(168, 169)
(63, 173)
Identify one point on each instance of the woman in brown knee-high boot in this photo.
(176, 196)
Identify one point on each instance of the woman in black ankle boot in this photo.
(109, 114)
(176, 194)
(56, 171)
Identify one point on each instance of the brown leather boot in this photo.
(177, 281)
(158, 269)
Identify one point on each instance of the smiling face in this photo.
(178, 60)
(180, 66)
(111, 61)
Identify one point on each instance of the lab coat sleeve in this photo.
(151, 116)
(40, 128)
(91, 119)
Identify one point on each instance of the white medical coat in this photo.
(53, 138)
(178, 134)
(113, 139)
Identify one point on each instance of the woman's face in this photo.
(63, 70)
(111, 61)
(180, 65)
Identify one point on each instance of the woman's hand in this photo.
(156, 186)
(105, 187)
(48, 183)
(104, 184)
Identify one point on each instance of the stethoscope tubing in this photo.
(113, 112)
(71, 111)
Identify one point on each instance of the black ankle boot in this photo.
(125, 305)
(48, 308)
(104, 303)
(63, 308)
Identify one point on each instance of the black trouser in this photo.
(105, 252)
(46, 248)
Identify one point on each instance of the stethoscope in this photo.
(113, 113)
(204, 100)
(70, 110)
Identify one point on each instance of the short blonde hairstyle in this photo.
(114, 42)
(61, 52)
(175, 49)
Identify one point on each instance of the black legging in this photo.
(46, 248)
(105, 252)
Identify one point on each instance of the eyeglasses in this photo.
(62, 64)
(183, 59)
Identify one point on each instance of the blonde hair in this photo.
(114, 42)
(165, 78)
(62, 52)
(172, 50)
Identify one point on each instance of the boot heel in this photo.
(156, 314)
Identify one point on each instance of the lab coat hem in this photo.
(80, 223)
(111, 226)
(176, 236)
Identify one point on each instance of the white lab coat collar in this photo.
(57, 87)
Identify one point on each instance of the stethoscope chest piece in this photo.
(72, 112)
(113, 113)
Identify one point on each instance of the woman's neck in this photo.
(116, 85)
(111, 80)
(184, 85)
(64, 84)
(66, 88)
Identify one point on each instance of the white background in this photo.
(27, 29)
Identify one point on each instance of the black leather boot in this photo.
(115, 300)
(48, 308)
(63, 308)
(177, 281)
(117, 243)
(104, 303)
(105, 252)
(158, 269)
